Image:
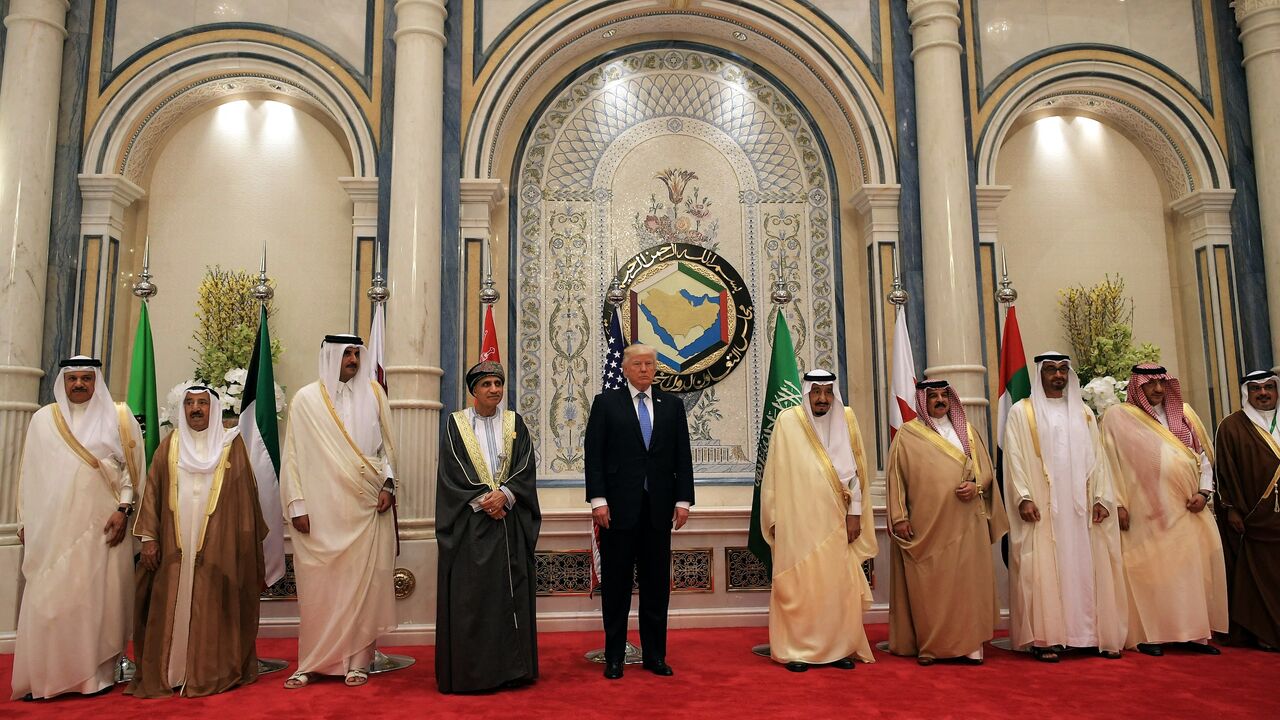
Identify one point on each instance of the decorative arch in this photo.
(764, 195)
(849, 99)
(1154, 116)
(136, 120)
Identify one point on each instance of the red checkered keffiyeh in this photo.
(955, 412)
(1178, 424)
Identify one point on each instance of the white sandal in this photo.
(356, 677)
(297, 680)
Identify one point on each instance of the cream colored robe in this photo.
(942, 593)
(819, 590)
(344, 564)
(1173, 557)
(1038, 613)
(78, 601)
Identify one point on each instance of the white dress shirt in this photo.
(635, 404)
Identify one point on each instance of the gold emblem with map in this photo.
(693, 307)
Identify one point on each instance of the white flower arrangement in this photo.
(231, 392)
(1102, 392)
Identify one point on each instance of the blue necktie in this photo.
(646, 425)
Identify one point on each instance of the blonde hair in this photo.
(635, 349)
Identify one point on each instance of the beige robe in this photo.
(344, 565)
(942, 594)
(819, 590)
(76, 607)
(1173, 557)
(1038, 613)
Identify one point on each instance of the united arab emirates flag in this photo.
(782, 392)
(1015, 383)
(142, 385)
(261, 435)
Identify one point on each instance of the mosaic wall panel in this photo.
(745, 572)
(596, 181)
(286, 588)
(568, 572)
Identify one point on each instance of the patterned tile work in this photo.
(589, 190)
(568, 572)
(286, 588)
(691, 571)
(746, 573)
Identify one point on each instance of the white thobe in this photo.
(488, 432)
(1206, 467)
(1070, 507)
(193, 500)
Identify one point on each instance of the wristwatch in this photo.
(126, 509)
(1207, 495)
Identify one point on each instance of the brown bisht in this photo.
(1248, 467)
(485, 627)
(942, 594)
(226, 585)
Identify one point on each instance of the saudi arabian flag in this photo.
(261, 434)
(142, 385)
(782, 392)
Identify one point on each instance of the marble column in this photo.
(413, 268)
(478, 197)
(878, 206)
(1207, 303)
(1259, 22)
(953, 340)
(35, 32)
(104, 201)
(364, 226)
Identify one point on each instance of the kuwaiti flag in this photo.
(611, 378)
(902, 381)
(377, 344)
(489, 340)
(1015, 383)
(261, 437)
(781, 392)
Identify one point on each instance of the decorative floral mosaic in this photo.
(665, 146)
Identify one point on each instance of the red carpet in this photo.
(717, 676)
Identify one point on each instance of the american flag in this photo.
(611, 379)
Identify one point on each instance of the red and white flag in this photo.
(902, 380)
(489, 340)
(377, 344)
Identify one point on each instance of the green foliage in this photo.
(1098, 323)
(228, 318)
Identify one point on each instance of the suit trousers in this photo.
(642, 552)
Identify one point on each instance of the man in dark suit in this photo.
(639, 472)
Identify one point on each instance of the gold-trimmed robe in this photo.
(942, 594)
(486, 615)
(344, 565)
(226, 580)
(1177, 585)
(1247, 474)
(819, 590)
(1037, 615)
(76, 606)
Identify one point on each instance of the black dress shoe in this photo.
(924, 660)
(612, 670)
(1202, 648)
(797, 666)
(1151, 649)
(659, 667)
(1110, 654)
(966, 660)
(843, 664)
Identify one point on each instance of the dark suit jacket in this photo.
(617, 462)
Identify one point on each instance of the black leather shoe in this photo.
(659, 667)
(843, 664)
(612, 670)
(1110, 654)
(797, 666)
(1151, 649)
(1202, 648)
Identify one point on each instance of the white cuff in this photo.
(475, 503)
(126, 495)
(297, 508)
(598, 502)
(1206, 473)
(511, 498)
(683, 504)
